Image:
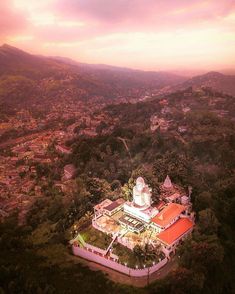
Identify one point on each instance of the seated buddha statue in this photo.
(141, 194)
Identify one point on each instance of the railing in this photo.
(110, 245)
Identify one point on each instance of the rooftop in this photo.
(174, 196)
(70, 168)
(168, 214)
(131, 222)
(174, 232)
(114, 204)
(103, 204)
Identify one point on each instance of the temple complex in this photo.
(165, 223)
(122, 224)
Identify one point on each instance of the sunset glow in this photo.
(155, 35)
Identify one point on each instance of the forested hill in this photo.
(197, 148)
(188, 135)
(17, 62)
(217, 81)
(26, 77)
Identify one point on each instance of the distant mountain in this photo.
(133, 76)
(228, 71)
(24, 76)
(16, 61)
(29, 79)
(214, 80)
(88, 65)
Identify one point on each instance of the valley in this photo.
(71, 134)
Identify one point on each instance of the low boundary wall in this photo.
(86, 253)
(96, 249)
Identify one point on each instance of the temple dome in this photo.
(167, 183)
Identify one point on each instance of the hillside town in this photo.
(35, 138)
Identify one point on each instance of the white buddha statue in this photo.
(141, 194)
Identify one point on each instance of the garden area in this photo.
(95, 237)
(138, 257)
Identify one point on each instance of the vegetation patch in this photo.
(138, 257)
(126, 256)
(96, 238)
(43, 233)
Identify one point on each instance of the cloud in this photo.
(12, 21)
(104, 17)
(124, 32)
(184, 49)
(140, 13)
(78, 20)
(101, 10)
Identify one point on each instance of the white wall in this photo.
(86, 254)
(94, 248)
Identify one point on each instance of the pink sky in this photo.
(145, 34)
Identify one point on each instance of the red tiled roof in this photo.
(168, 214)
(174, 232)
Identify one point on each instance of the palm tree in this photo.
(88, 215)
(148, 253)
(138, 252)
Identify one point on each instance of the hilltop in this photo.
(215, 80)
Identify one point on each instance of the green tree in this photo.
(203, 201)
(208, 223)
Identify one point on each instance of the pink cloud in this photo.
(104, 17)
(11, 20)
(141, 12)
(120, 31)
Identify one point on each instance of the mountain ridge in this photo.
(6, 48)
(104, 80)
(85, 79)
(213, 79)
